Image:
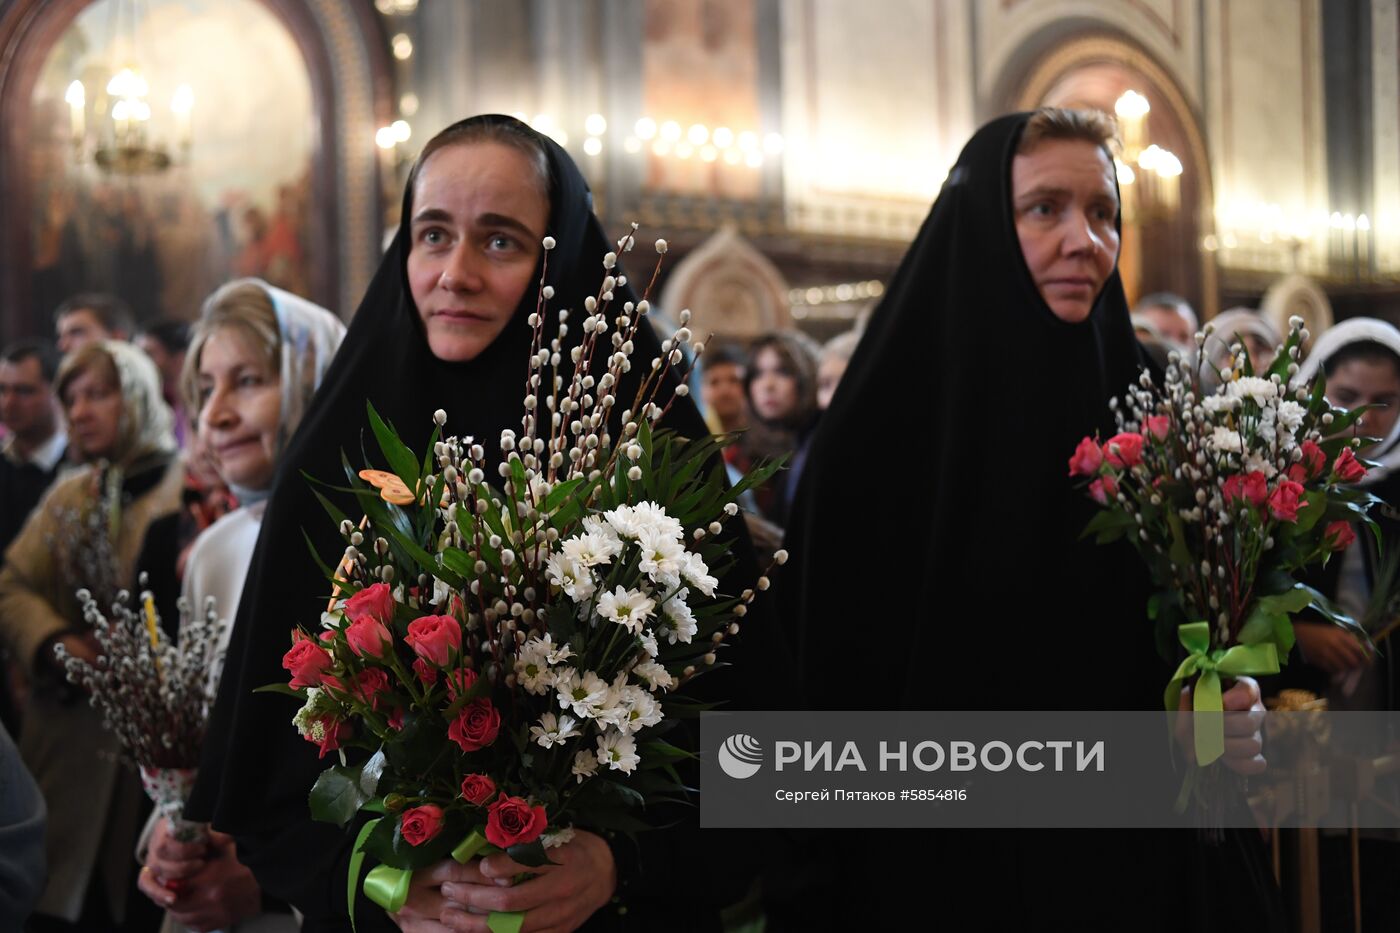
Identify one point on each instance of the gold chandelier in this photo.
(1150, 175)
(118, 135)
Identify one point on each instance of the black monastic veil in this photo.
(256, 770)
(936, 564)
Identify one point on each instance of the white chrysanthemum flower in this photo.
(618, 751)
(1223, 440)
(1215, 404)
(656, 676)
(639, 710)
(441, 592)
(592, 548)
(585, 765)
(532, 668)
(680, 620)
(628, 608)
(553, 839)
(596, 524)
(554, 730)
(1262, 464)
(576, 582)
(697, 574)
(1262, 391)
(651, 515)
(586, 694)
(554, 654)
(661, 556)
(649, 645)
(1290, 415)
(623, 521)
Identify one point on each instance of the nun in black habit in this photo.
(256, 771)
(971, 589)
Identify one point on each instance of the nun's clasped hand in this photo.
(1244, 727)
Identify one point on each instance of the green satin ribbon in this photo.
(1237, 661)
(388, 886)
(469, 848)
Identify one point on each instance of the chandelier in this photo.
(1149, 175)
(118, 136)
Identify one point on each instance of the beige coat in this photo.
(93, 799)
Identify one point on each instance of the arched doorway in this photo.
(339, 65)
(1161, 243)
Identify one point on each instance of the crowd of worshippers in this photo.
(152, 449)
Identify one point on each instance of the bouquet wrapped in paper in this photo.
(154, 694)
(512, 650)
(1228, 493)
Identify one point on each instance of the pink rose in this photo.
(372, 602)
(369, 638)
(396, 719)
(459, 682)
(420, 824)
(1124, 450)
(1159, 426)
(307, 661)
(478, 788)
(476, 725)
(512, 821)
(1252, 487)
(1286, 499)
(1312, 463)
(1346, 468)
(1087, 458)
(434, 638)
(370, 685)
(1339, 535)
(425, 671)
(1103, 489)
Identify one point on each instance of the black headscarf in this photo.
(960, 582)
(256, 770)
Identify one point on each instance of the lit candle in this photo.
(77, 101)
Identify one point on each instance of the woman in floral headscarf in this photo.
(87, 533)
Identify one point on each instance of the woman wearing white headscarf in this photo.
(257, 357)
(87, 533)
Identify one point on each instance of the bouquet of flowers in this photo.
(1228, 493)
(154, 695)
(512, 654)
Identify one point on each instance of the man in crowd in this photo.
(93, 316)
(30, 456)
(1170, 316)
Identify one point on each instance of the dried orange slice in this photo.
(391, 488)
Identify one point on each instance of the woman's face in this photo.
(829, 372)
(92, 403)
(478, 219)
(240, 406)
(1065, 203)
(773, 389)
(1365, 381)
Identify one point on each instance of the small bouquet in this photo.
(154, 695)
(512, 655)
(1228, 494)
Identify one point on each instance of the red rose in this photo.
(1339, 535)
(307, 661)
(1086, 460)
(1252, 488)
(1159, 426)
(476, 725)
(425, 671)
(1313, 461)
(370, 684)
(372, 602)
(396, 719)
(1103, 489)
(419, 824)
(1286, 499)
(1346, 468)
(512, 821)
(1124, 450)
(459, 682)
(369, 638)
(327, 732)
(478, 788)
(434, 638)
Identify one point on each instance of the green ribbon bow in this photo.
(388, 886)
(1236, 661)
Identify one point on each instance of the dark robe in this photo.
(254, 783)
(936, 518)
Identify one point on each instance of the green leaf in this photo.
(1108, 525)
(530, 854)
(336, 796)
(401, 459)
(281, 688)
(1179, 553)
